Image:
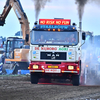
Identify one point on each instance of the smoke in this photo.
(96, 1)
(38, 5)
(81, 4)
(90, 73)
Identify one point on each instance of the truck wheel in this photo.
(75, 80)
(34, 78)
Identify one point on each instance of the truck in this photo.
(51, 55)
(17, 48)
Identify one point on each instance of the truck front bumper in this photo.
(43, 71)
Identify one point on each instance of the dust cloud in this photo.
(90, 74)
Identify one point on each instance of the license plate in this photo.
(52, 66)
(52, 70)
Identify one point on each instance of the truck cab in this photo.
(12, 44)
(55, 51)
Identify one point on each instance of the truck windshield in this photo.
(19, 44)
(54, 38)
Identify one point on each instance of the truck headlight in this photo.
(70, 67)
(35, 66)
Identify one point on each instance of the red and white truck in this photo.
(55, 51)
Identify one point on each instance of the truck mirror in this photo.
(83, 36)
(27, 37)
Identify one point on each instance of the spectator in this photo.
(41, 39)
(1, 64)
(3, 58)
(71, 39)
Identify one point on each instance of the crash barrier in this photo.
(9, 71)
(15, 68)
(20, 72)
(25, 72)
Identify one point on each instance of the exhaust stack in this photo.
(80, 26)
(36, 22)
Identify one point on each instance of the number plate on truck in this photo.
(52, 70)
(52, 66)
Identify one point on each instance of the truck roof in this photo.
(14, 38)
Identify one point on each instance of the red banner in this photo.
(54, 21)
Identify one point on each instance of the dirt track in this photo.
(20, 88)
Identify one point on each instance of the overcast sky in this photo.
(66, 9)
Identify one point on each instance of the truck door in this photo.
(10, 49)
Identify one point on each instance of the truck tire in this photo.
(75, 80)
(80, 67)
(34, 78)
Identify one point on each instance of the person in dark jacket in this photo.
(3, 58)
(1, 65)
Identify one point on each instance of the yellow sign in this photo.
(52, 66)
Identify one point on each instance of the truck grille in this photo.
(53, 62)
(53, 55)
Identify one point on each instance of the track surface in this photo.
(20, 88)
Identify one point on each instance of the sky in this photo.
(66, 9)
